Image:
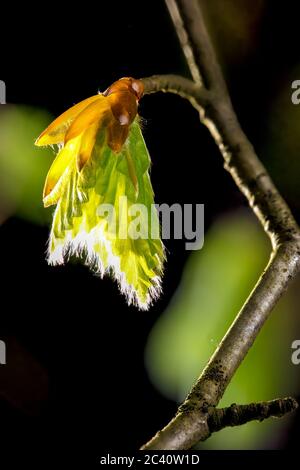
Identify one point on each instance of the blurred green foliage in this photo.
(215, 284)
(23, 167)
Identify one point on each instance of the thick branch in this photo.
(190, 424)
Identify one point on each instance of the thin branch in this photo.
(184, 41)
(235, 415)
(179, 85)
(190, 424)
(203, 53)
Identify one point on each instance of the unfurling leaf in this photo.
(99, 182)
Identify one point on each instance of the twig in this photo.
(235, 415)
(212, 100)
(185, 42)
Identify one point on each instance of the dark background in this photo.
(87, 390)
